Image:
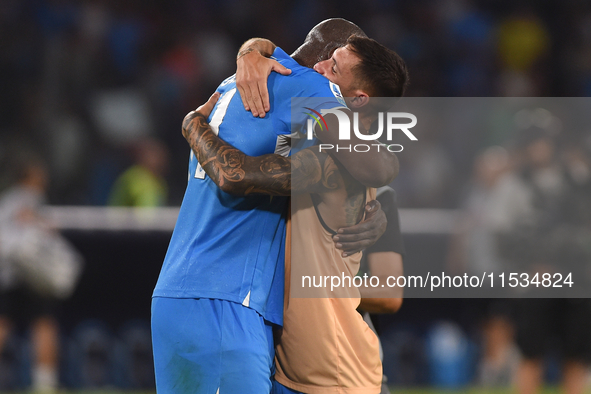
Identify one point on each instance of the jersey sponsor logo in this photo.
(334, 88)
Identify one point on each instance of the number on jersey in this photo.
(216, 120)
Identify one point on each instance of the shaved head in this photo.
(323, 39)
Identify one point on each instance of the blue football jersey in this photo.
(229, 247)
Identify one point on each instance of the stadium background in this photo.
(83, 82)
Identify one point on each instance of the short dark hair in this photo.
(381, 71)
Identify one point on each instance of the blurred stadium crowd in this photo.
(98, 88)
(84, 81)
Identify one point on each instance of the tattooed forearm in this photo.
(236, 173)
(223, 163)
(231, 169)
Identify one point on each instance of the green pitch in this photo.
(470, 390)
(395, 390)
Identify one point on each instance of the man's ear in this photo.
(361, 98)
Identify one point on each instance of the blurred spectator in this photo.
(37, 267)
(540, 232)
(449, 353)
(474, 250)
(522, 42)
(132, 68)
(125, 38)
(142, 185)
(500, 356)
(428, 175)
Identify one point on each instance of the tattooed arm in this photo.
(307, 171)
(236, 173)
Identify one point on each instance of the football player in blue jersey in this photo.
(311, 171)
(353, 67)
(221, 285)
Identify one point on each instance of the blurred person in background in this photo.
(523, 43)
(474, 250)
(541, 229)
(20, 302)
(143, 185)
(500, 355)
(474, 245)
(428, 176)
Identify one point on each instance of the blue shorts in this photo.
(209, 346)
(278, 388)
